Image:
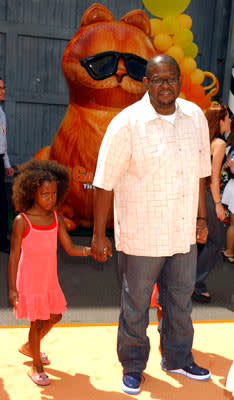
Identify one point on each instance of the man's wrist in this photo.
(99, 236)
(99, 229)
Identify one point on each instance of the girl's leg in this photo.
(35, 343)
(36, 372)
(230, 238)
(46, 326)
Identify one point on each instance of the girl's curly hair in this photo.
(31, 175)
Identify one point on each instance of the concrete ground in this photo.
(92, 291)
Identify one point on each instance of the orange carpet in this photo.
(84, 365)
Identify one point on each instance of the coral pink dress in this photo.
(37, 282)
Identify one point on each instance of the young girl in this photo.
(33, 283)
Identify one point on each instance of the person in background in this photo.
(228, 196)
(154, 155)
(219, 123)
(5, 168)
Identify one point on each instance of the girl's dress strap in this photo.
(27, 219)
(56, 218)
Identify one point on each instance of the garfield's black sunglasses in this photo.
(103, 65)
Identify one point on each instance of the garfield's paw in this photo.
(69, 224)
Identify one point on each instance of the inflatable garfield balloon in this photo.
(104, 64)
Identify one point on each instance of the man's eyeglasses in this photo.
(103, 65)
(3, 88)
(160, 81)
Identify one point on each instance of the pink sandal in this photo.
(44, 359)
(40, 379)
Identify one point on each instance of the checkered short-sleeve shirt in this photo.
(154, 167)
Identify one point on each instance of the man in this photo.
(5, 168)
(153, 156)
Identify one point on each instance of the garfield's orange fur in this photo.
(94, 103)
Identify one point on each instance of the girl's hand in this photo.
(101, 248)
(87, 251)
(220, 212)
(13, 297)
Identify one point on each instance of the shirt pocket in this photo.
(148, 160)
(149, 151)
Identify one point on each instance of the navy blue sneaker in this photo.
(131, 382)
(193, 371)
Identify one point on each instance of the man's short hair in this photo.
(161, 59)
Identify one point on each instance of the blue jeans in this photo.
(208, 253)
(177, 279)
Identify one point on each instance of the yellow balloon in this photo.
(188, 65)
(164, 8)
(156, 26)
(191, 50)
(170, 25)
(183, 38)
(197, 76)
(162, 41)
(176, 52)
(185, 21)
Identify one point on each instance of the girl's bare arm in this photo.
(19, 227)
(68, 245)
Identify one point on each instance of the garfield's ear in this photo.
(137, 18)
(96, 13)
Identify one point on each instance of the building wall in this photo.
(33, 36)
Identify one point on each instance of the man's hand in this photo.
(101, 248)
(9, 171)
(201, 231)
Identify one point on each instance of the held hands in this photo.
(201, 231)
(86, 251)
(13, 297)
(101, 248)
